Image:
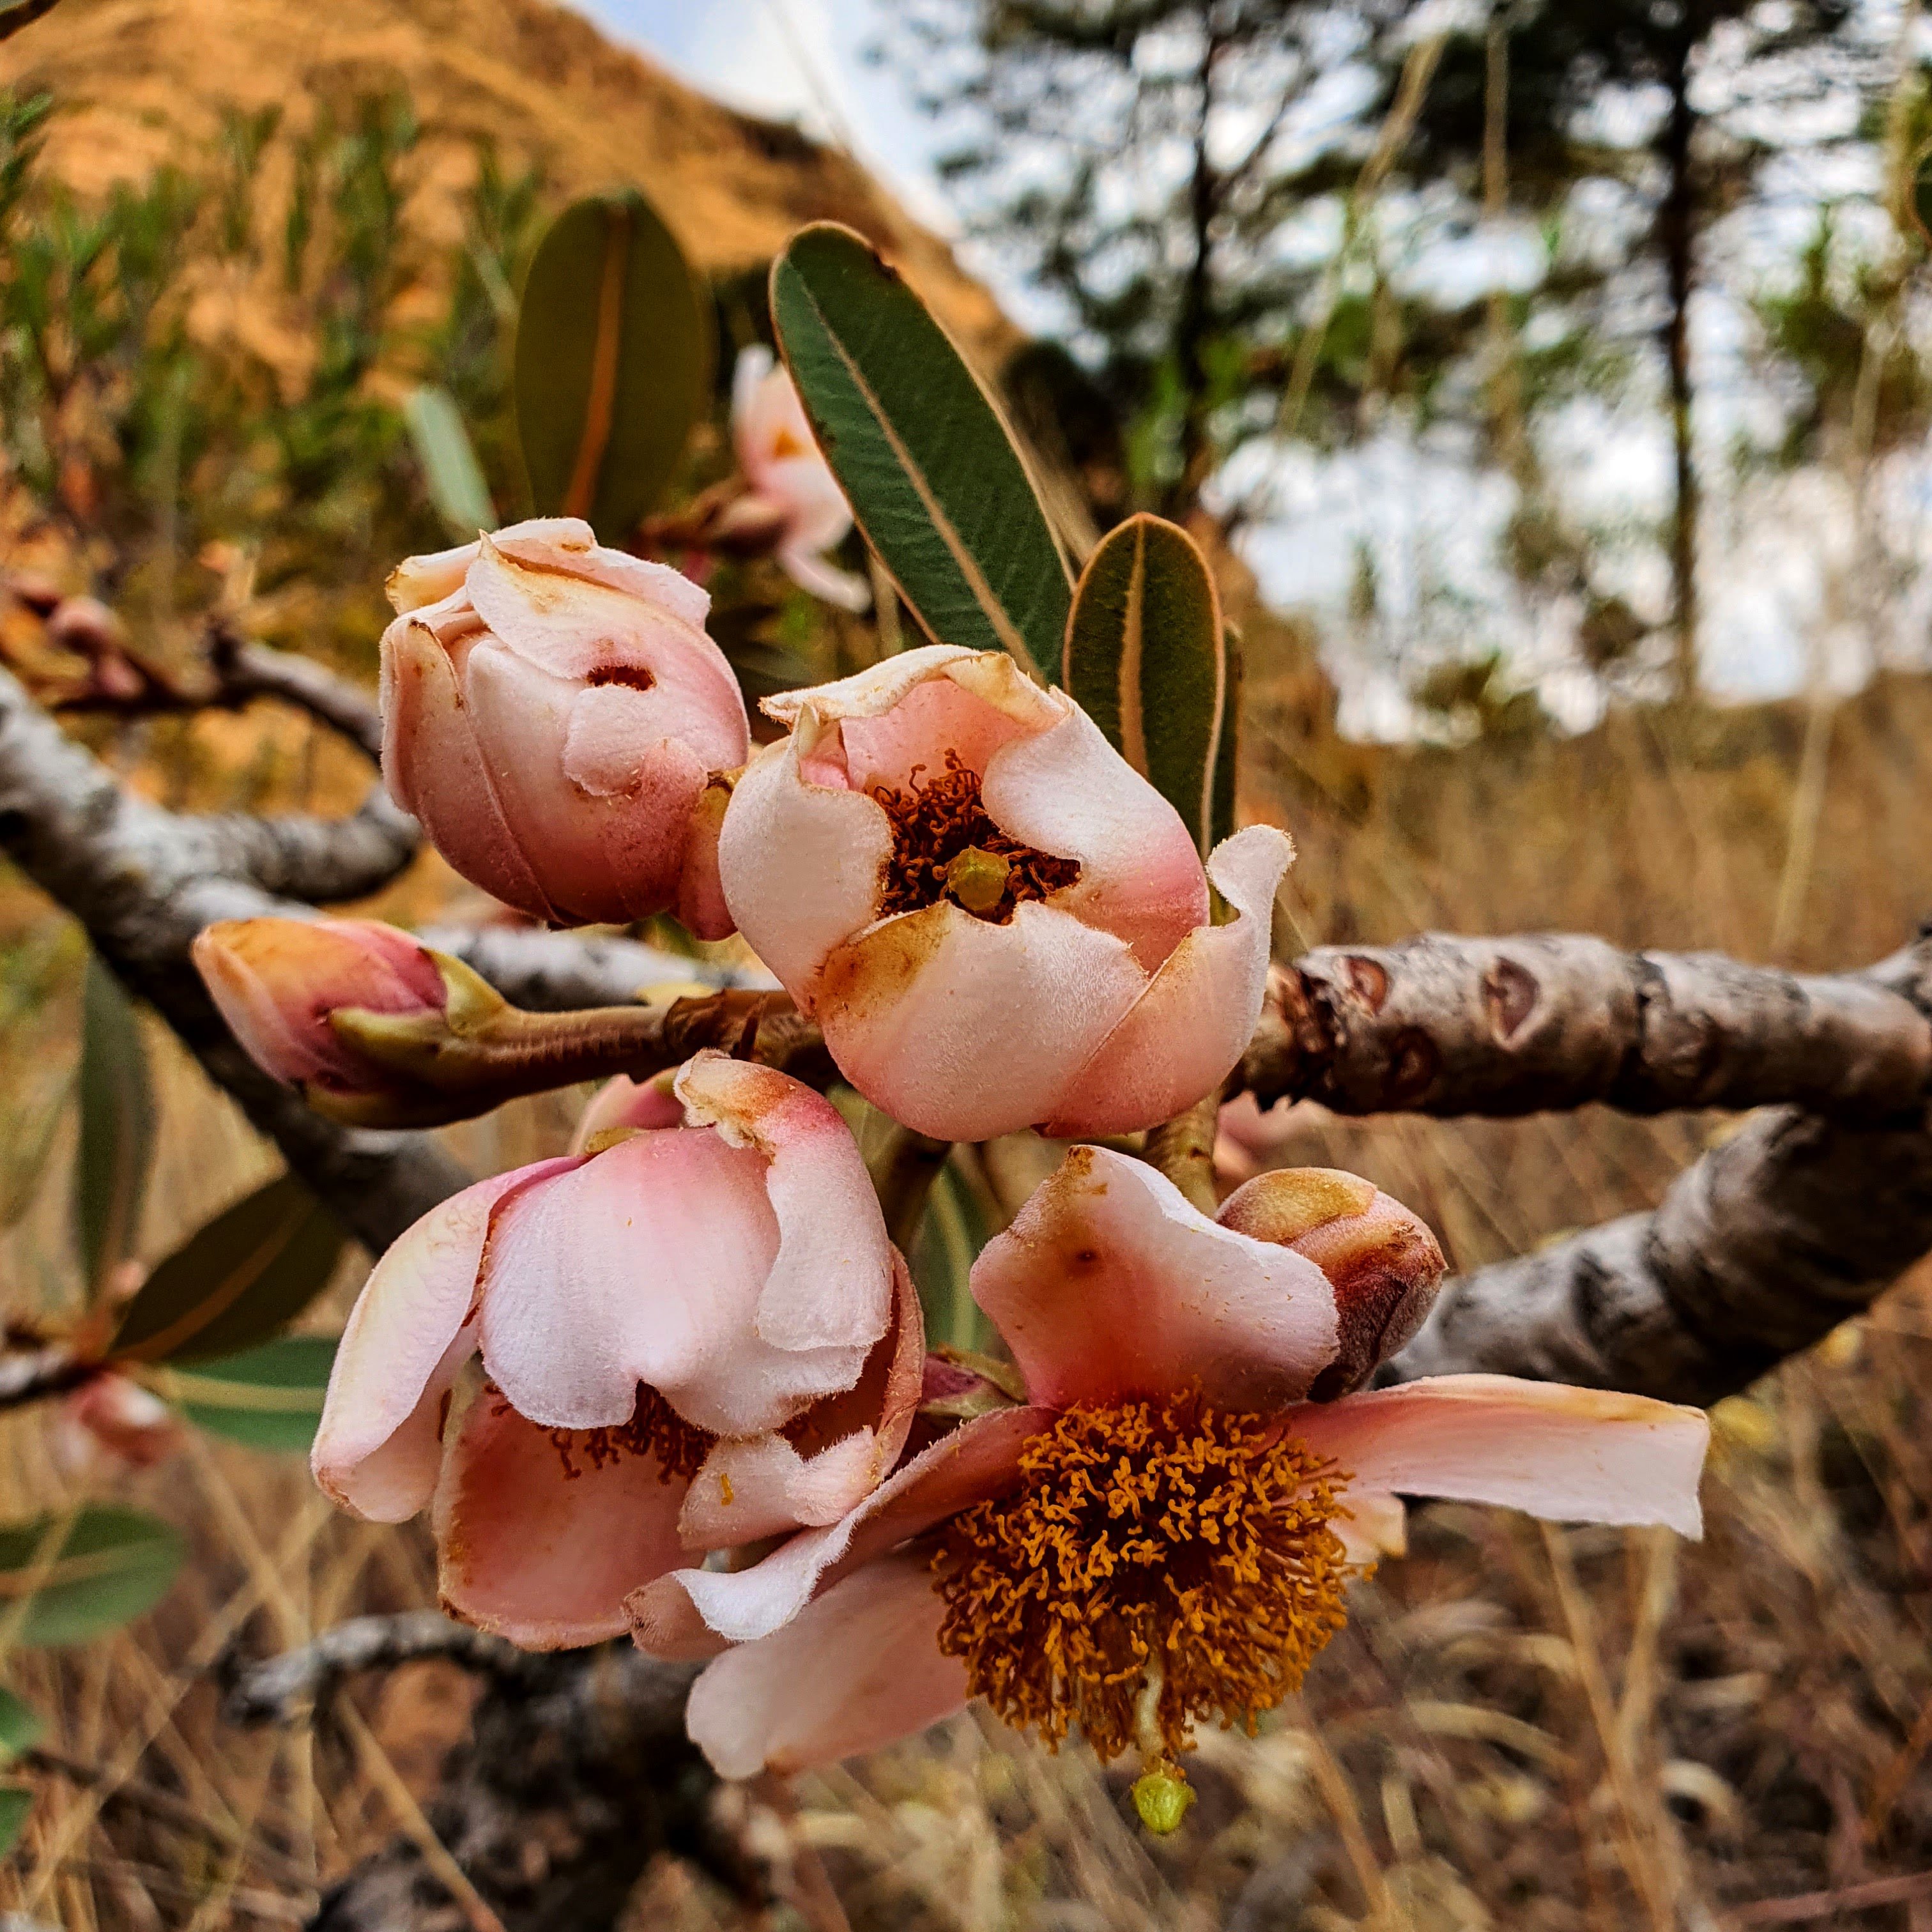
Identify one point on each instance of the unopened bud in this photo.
(1381, 1261)
(1162, 1796)
(977, 880)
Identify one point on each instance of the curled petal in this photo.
(967, 1030)
(1570, 1455)
(1184, 1034)
(420, 580)
(541, 1551)
(990, 676)
(857, 1669)
(568, 544)
(378, 1448)
(692, 1613)
(801, 562)
(1109, 1285)
(932, 719)
(622, 1102)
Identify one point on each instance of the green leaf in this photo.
(117, 1126)
(1147, 656)
(16, 1801)
(956, 1226)
(925, 458)
(235, 1282)
(113, 1564)
(449, 464)
(269, 1397)
(21, 1725)
(614, 359)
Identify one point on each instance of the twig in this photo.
(244, 671)
(35, 1373)
(1803, 1906)
(272, 1692)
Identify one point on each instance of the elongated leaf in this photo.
(925, 458)
(614, 356)
(449, 464)
(1147, 655)
(113, 1564)
(117, 1126)
(956, 1226)
(236, 1282)
(269, 1397)
(21, 1725)
(16, 1803)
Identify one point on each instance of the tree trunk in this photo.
(1677, 236)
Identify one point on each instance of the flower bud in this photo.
(278, 982)
(1382, 1262)
(110, 1419)
(554, 714)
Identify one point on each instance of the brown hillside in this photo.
(141, 81)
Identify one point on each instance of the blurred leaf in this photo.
(449, 464)
(113, 1564)
(613, 366)
(235, 1282)
(1147, 655)
(21, 1725)
(924, 457)
(269, 1397)
(1222, 823)
(16, 14)
(117, 1126)
(16, 1801)
(956, 1227)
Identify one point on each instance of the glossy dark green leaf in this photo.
(21, 1725)
(269, 1398)
(925, 458)
(117, 1126)
(448, 459)
(614, 357)
(16, 1803)
(1146, 654)
(236, 1281)
(111, 1565)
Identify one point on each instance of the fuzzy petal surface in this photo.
(858, 1668)
(1109, 1285)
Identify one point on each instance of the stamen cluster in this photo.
(655, 1429)
(1145, 1538)
(934, 823)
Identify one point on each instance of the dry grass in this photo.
(1520, 1728)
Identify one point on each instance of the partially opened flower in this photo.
(554, 713)
(997, 922)
(1162, 1532)
(679, 1339)
(791, 482)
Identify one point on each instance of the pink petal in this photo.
(1109, 1285)
(816, 512)
(1376, 1525)
(1571, 1455)
(1068, 791)
(967, 1030)
(418, 580)
(539, 1555)
(685, 1614)
(435, 770)
(700, 888)
(932, 718)
(1185, 1034)
(799, 863)
(991, 676)
(801, 562)
(568, 544)
(377, 1449)
(622, 1102)
(575, 628)
(857, 1669)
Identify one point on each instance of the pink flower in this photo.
(997, 922)
(554, 714)
(277, 981)
(696, 1337)
(1167, 1494)
(111, 1418)
(790, 481)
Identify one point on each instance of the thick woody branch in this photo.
(144, 882)
(1445, 1025)
(244, 671)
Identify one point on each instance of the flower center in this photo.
(943, 840)
(655, 1429)
(1160, 1541)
